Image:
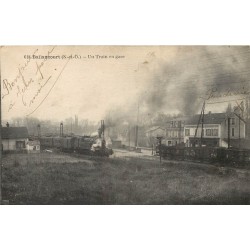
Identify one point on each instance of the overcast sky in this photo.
(170, 79)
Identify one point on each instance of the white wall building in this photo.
(215, 130)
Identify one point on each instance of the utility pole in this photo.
(136, 136)
(239, 133)
(228, 131)
(240, 120)
(159, 138)
(103, 128)
(71, 125)
(129, 136)
(180, 122)
(136, 127)
(202, 123)
(201, 119)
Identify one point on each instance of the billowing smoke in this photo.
(182, 84)
(179, 85)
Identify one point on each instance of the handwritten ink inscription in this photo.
(33, 80)
(215, 93)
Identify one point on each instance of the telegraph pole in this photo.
(201, 118)
(240, 120)
(228, 132)
(136, 127)
(159, 138)
(71, 126)
(239, 132)
(102, 128)
(129, 136)
(202, 122)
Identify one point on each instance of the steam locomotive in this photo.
(92, 145)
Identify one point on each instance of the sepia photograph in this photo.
(125, 125)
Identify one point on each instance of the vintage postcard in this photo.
(130, 125)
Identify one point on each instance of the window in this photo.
(20, 144)
(212, 132)
(215, 132)
(232, 131)
(187, 132)
(169, 143)
(208, 132)
(233, 121)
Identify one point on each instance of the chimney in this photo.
(39, 130)
(61, 129)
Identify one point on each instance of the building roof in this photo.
(154, 128)
(14, 132)
(211, 118)
(180, 118)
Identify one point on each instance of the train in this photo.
(92, 145)
(223, 156)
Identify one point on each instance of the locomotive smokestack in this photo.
(101, 129)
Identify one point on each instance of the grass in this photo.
(62, 179)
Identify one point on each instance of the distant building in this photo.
(33, 146)
(175, 131)
(216, 130)
(154, 132)
(14, 138)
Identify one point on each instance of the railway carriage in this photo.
(46, 142)
(230, 157)
(79, 144)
